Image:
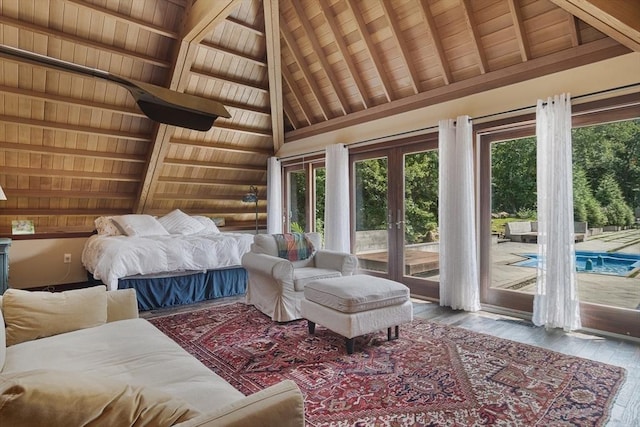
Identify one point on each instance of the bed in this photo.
(172, 260)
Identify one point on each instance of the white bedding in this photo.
(110, 258)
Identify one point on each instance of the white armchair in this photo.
(276, 285)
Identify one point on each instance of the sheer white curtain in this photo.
(459, 278)
(274, 196)
(555, 304)
(337, 234)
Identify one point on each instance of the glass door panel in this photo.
(421, 247)
(297, 200)
(371, 210)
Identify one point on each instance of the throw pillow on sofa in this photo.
(65, 398)
(30, 315)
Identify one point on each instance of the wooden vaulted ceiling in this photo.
(73, 147)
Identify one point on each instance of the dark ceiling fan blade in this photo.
(158, 103)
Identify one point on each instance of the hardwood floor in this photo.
(615, 351)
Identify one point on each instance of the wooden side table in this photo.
(4, 264)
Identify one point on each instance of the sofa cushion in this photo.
(31, 315)
(131, 351)
(65, 398)
(304, 275)
(122, 304)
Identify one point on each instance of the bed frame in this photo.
(187, 287)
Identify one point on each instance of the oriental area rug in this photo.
(433, 375)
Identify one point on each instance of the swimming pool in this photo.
(611, 263)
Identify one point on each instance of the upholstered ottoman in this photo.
(356, 305)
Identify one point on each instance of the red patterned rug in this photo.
(434, 375)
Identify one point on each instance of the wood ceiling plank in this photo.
(518, 28)
(619, 19)
(214, 165)
(523, 71)
(209, 181)
(324, 64)
(42, 124)
(213, 145)
(432, 33)
(475, 35)
(378, 68)
(244, 26)
(344, 52)
(309, 79)
(22, 212)
(56, 173)
(72, 152)
(243, 129)
(230, 80)
(298, 96)
(241, 56)
(135, 56)
(156, 29)
(70, 101)
(400, 42)
(57, 194)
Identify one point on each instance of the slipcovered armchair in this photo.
(276, 285)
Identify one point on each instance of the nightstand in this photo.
(4, 264)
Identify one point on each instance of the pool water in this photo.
(615, 264)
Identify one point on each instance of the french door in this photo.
(395, 214)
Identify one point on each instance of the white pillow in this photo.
(140, 225)
(106, 227)
(209, 227)
(178, 222)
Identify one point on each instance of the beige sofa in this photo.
(276, 285)
(83, 357)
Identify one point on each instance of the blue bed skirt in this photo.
(187, 288)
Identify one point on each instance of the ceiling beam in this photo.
(46, 149)
(57, 194)
(319, 52)
(100, 47)
(518, 28)
(213, 145)
(297, 95)
(432, 32)
(309, 79)
(65, 100)
(396, 33)
(588, 53)
(214, 165)
(619, 19)
(483, 64)
(361, 26)
(230, 80)
(343, 50)
(57, 173)
(85, 130)
(241, 56)
(274, 71)
(125, 19)
(201, 17)
(208, 181)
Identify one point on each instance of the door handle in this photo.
(400, 222)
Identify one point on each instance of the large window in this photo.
(606, 187)
(304, 197)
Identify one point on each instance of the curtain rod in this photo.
(428, 128)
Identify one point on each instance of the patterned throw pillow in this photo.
(106, 227)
